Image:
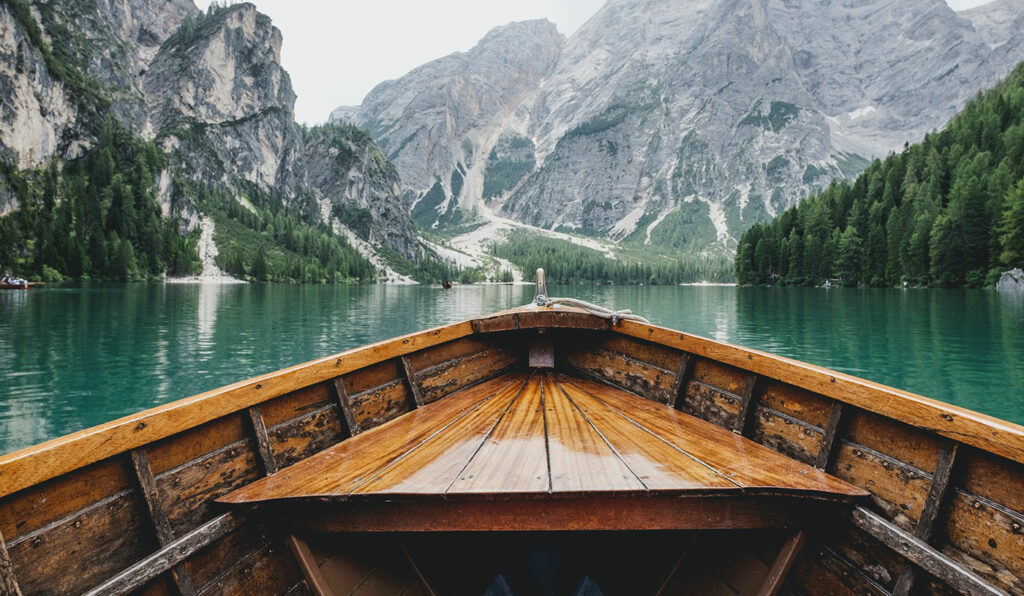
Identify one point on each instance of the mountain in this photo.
(191, 115)
(439, 122)
(680, 124)
(948, 211)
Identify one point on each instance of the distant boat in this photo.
(23, 286)
(533, 450)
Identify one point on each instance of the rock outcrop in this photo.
(1011, 281)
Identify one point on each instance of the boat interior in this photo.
(535, 451)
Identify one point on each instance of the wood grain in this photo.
(581, 460)
(741, 460)
(339, 469)
(589, 512)
(514, 458)
(433, 465)
(657, 463)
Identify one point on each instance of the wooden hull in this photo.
(130, 505)
(15, 286)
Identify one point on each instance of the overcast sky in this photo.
(336, 51)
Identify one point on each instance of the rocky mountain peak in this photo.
(680, 124)
(222, 67)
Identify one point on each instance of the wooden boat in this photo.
(545, 449)
(19, 286)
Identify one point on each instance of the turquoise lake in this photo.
(74, 357)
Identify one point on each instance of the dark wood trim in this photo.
(410, 378)
(934, 506)
(748, 404)
(316, 581)
(936, 501)
(158, 517)
(8, 582)
(783, 562)
(645, 512)
(340, 395)
(683, 376)
(173, 553)
(144, 475)
(922, 554)
(830, 441)
(259, 429)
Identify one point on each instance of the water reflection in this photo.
(74, 357)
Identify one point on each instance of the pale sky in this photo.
(336, 51)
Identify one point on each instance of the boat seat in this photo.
(542, 450)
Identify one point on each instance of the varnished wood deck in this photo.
(501, 448)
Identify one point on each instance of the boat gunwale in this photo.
(45, 461)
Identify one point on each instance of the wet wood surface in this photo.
(543, 434)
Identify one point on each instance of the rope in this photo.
(594, 309)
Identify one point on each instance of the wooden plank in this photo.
(105, 537)
(59, 456)
(748, 405)
(783, 562)
(514, 458)
(801, 404)
(787, 435)
(8, 581)
(717, 448)
(339, 469)
(157, 516)
(988, 433)
(340, 397)
(453, 375)
(167, 557)
(297, 439)
(657, 463)
(316, 581)
(295, 404)
(526, 514)
(259, 431)
(410, 379)
(437, 462)
(988, 533)
(922, 554)
(580, 458)
(187, 492)
(376, 406)
(898, 489)
(683, 375)
(270, 570)
(937, 499)
(56, 499)
(641, 378)
(710, 403)
(830, 442)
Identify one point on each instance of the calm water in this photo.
(71, 358)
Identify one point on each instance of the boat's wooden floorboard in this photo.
(543, 434)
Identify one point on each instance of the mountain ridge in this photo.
(655, 126)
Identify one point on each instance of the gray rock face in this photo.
(682, 123)
(221, 104)
(1011, 281)
(111, 44)
(451, 111)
